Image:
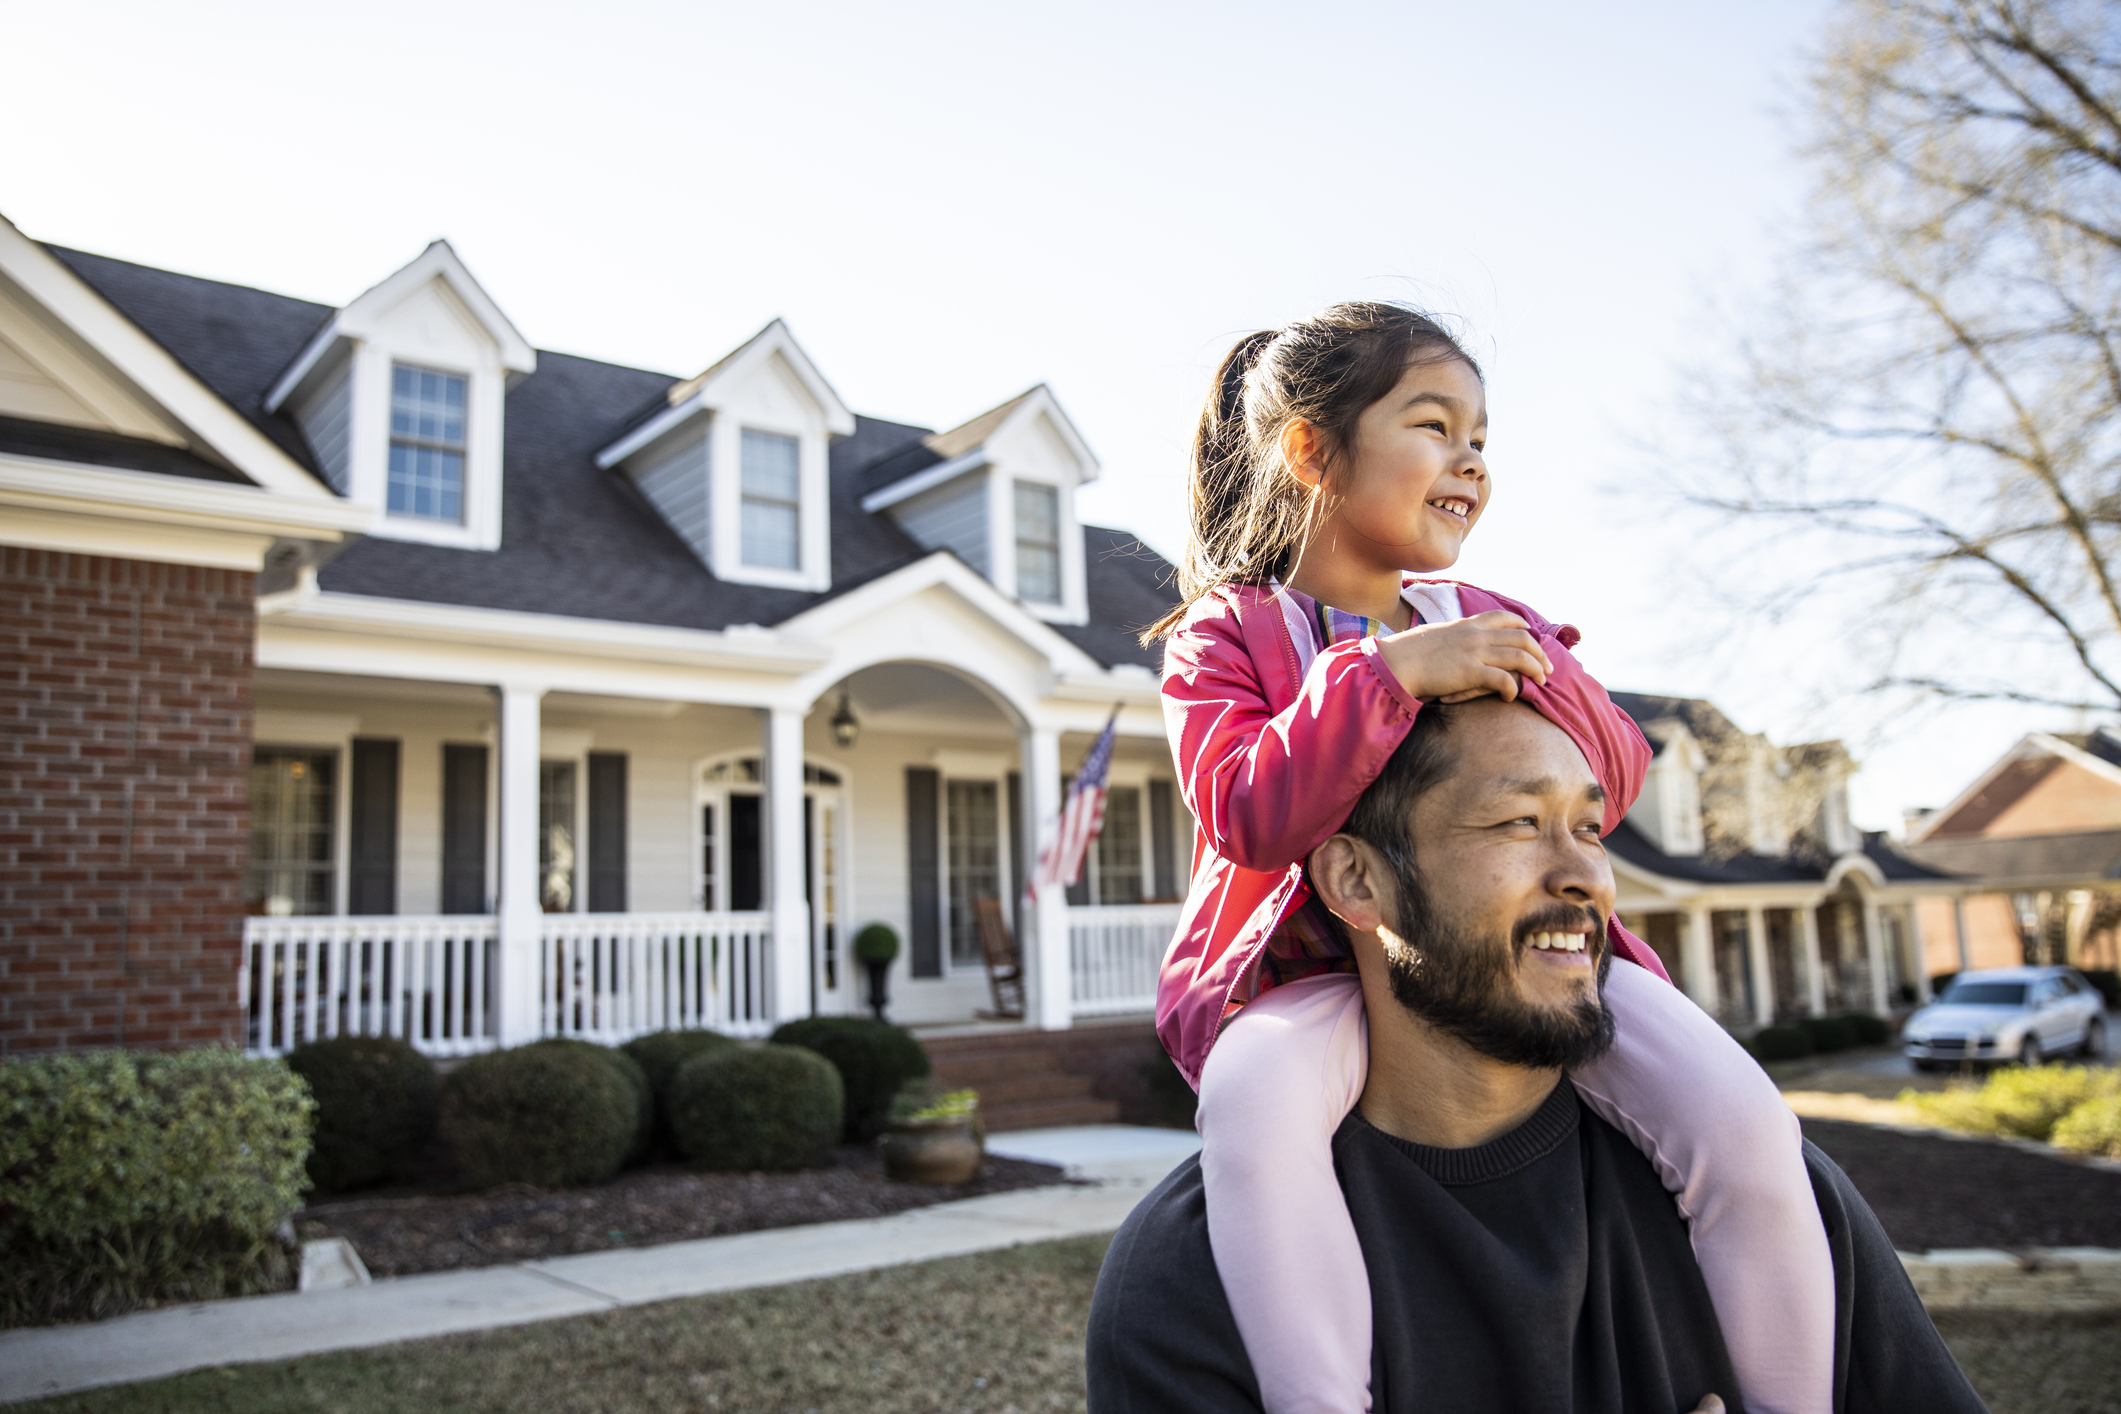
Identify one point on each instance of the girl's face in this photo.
(1415, 483)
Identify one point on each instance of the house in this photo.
(1739, 865)
(2037, 839)
(376, 670)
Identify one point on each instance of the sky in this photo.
(950, 203)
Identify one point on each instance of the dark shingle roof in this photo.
(2026, 860)
(1892, 863)
(575, 540)
(82, 444)
(1631, 845)
(1700, 716)
(235, 340)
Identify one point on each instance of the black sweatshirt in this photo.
(1547, 1270)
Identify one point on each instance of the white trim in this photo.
(172, 500)
(698, 394)
(112, 405)
(2026, 746)
(2078, 757)
(743, 646)
(921, 481)
(152, 368)
(1041, 400)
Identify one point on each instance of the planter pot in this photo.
(879, 982)
(935, 1151)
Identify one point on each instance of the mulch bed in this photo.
(399, 1233)
(1933, 1192)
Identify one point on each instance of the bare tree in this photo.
(1927, 422)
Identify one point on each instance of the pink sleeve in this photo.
(1268, 787)
(1283, 1075)
(1729, 1150)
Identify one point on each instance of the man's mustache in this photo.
(1562, 918)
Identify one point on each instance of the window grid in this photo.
(1038, 574)
(556, 831)
(426, 443)
(1119, 847)
(973, 825)
(770, 514)
(291, 847)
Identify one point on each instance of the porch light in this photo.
(846, 727)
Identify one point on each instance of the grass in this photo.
(999, 1333)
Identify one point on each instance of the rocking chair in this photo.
(1005, 969)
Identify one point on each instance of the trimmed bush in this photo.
(876, 943)
(765, 1107)
(376, 1103)
(1780, 1043)
(130, 1180)
(660, 1053)
(874, 1058)
(548, 1116)
(636, 1080)
(2018, 1101)
(2108, 982)
(1829, 1033)
(1870, 1030)
(2093, 1127)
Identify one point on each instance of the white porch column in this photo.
(1959, 923)
(781, 774)
(1919, 951)
(1756, 951)
(1874, 949)
(1699, 950)
(1049, 968)
(520, 919)
(1814, 967)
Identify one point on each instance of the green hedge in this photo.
(2108, 982)
(2029, 1103)
(636, 1080)
(1870, 1030)
(548, 1116)
(765, 1107)
(376, 1103)
(659, 1054)
(874, 1059)
(2093, 1127)
(128, 1180)
(1829, 1033)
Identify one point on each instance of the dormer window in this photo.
(1038, 543)
(426, 444)
(772, 500)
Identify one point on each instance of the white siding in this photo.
(953, 516)
(326, 421)
(674, 479)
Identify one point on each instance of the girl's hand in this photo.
(1466, 658)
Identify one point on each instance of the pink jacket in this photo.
(1272, 756)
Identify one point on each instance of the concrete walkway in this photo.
(1120, 1164)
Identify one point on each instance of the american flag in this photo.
(1082, 815)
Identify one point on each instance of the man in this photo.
(1523, 1255)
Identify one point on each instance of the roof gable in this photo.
(704, 392)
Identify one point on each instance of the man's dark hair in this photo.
(1384, 816)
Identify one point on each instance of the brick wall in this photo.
(125, 733)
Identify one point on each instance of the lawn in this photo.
(994, 1333)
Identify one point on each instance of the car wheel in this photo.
(2029, 1052)
(2094, 1039)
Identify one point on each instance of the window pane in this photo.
(556, 836)
(770, 470)
(426, 444)
(1037, 543)
(974, 832)
(769, 535)
(291, 818)
(1119, 847)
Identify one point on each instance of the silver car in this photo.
(2021, 1014)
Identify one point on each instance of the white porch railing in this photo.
(435, 982)
(1114, 954)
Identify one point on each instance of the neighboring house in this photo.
(2037, 840)
(374, 670)
(1739, 865)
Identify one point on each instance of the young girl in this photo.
(1334, 457)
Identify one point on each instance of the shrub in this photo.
(1870, 1030)
(874, 1059)
(768, 1107)
(636, 1080)
(2093, 1127)
(1169, 1100)
(1829, 1033)
(876, 943)
(376, 1101)
(127, 1180)
(2108, 982)
(2021, 1102)
(1778, 1043)
(660, 1053)
(549, 1116)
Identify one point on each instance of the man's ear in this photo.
(1350, 878)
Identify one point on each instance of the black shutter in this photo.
(924, 900)
(747, 855)
(372, 881)
(1163, 844)
(607, 832)
(463, 829)
(1017, 831)
(1079, 891)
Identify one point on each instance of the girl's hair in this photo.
(1250, 517)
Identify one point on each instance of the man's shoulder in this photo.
(1161, 1335)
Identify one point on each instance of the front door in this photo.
(732, 852)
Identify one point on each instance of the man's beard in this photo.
(1464, 984)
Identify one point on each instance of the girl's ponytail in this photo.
(1248, 516)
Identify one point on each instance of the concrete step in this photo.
(1050, 1114)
